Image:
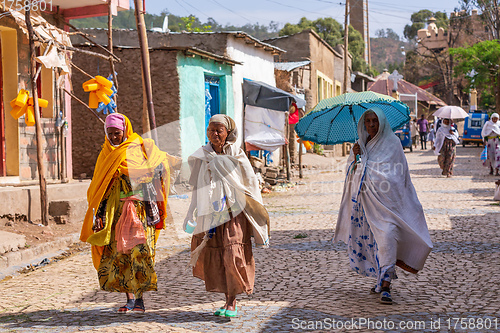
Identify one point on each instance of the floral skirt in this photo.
(227, 264)
(493, 148)
(446, 156)
(133, 272)
(363, 250)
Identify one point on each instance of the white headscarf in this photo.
(442, 133)
(382, 184)
(490, 128)
(226, 183)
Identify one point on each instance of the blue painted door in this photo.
(212, 99)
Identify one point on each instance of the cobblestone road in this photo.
(300, 281)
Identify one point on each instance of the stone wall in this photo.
(88, 132)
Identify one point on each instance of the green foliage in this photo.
(479, 66)
(191, 24)
(419, 21)
(387, 33)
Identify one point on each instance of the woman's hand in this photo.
(452, 132)
(356, 149)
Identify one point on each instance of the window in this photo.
(325, 86)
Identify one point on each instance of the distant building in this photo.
(318, 72)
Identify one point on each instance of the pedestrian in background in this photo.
(445, 146)
(423, 128)
(227, 207)
(491, 137)
(414, 132)
(380, 218)
(126, 211)
(432, 135)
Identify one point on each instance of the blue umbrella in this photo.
(335, 120)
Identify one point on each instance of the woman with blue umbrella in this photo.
(380, 218)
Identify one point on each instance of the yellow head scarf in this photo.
(136, 158)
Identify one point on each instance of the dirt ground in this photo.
(37, 233)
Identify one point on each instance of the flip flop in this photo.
(220, 312)
(230, 313)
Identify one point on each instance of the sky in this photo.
(393, 14)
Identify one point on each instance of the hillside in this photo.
(386, 53)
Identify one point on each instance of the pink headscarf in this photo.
(115, 120)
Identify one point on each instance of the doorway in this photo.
(212, 99)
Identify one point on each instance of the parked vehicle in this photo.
(473, 125)
(404, 135)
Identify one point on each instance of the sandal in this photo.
(127, 307)
(232, 313)
(374, 291)
(220, 312)
(139, 306)
(385, 296)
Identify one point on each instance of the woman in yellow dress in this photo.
(127, 209)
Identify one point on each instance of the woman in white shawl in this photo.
(227, 206)
(445, 146)
(491, 137)
(380, 218)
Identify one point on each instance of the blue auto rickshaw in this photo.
(473, 126)
(404, 134)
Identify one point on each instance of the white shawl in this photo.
(490, 128)
(442, 133)
(231, 176)
(382, 184)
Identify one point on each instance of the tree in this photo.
(489, 14)
(420, 19)
(479, 65)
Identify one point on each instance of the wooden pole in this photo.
(287, 148)
(38, 125)
(110, 48)
(84, 104)
(346, 56)
(143, 41)
(346, 45)
(300, 159)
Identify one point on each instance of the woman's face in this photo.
(115, 135)
(217, 134)
(446, 121)
(494, 119)
(371, 124)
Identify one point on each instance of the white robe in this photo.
(442, 133)
(382, 184)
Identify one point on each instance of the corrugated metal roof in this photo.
(383, 85)
(290, 66)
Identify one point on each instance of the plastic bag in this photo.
(484, 154)
(129, 229)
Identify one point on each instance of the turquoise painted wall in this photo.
(192, 71)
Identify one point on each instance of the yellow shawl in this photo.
(136, 158)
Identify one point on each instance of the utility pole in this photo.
(110, 48)
(146, 71)
(38, 125)
(346, 45)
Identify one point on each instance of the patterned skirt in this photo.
(363, 250)
(493, 148)
(446, 156)
(133, 272)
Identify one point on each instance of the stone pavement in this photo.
(304, 282)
